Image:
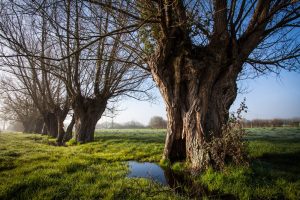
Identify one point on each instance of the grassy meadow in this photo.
(31, 167)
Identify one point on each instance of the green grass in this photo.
(32, 168)
(274, 171)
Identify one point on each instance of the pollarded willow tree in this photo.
(25, 43)
(106, 71)
(94, 64)
(17, 106)
(196, 50)
(72, 49)
(201, 48)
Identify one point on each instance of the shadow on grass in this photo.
(274, 138)
(7, 166)
(282, 162)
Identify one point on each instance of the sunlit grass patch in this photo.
(31, 168)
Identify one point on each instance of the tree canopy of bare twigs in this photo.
(91, 73)
(18, 106)
(21, 33)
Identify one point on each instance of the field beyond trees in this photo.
(32, 167)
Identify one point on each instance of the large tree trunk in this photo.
(87, 112)
(51, 124)
(196, 112)
(197, 82)
(198, 90)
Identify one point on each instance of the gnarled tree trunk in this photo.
(61, 114)
(198, 90)
(51, 124)
(197, 81)
(196, 110)
(87, 112)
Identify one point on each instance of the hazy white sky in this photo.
(267, 97)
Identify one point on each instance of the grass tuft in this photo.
(179, 166)
(71, 142)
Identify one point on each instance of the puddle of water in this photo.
(154, 172)
(180, 182)
(147, 170)
(176, 181)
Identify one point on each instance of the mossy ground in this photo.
(32, 168)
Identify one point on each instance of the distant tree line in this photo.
(276, 122)
(156, 122)
(127, 125)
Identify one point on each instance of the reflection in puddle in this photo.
(180, 182)
(176, 181)
(147, 170)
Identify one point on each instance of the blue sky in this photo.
(267, 97)
(272, 96)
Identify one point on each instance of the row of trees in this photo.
(40, 88)
(156, 122)
(295, 122)
(126, 125)
(83, 54)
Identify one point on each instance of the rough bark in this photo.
(196, 110)
(51, 124)
(87, 112)
(198, 85)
